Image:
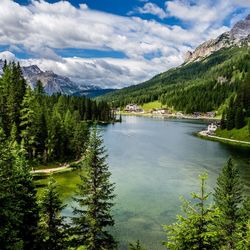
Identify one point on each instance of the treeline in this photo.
(48, 127)
(30, 224)
(198, 86)
(238, 110)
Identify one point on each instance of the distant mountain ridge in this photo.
(239, 35)
(54, 83)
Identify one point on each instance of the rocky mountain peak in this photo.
(241, 29)
(239, 35)
(30, 70)
(52, 82)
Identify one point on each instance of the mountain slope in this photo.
(203, 82)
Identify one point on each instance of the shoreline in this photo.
(167, 116)
(64, 168)
(203, 134)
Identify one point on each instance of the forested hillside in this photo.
(202, 86)
(48, 127)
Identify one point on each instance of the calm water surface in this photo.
(153, 162)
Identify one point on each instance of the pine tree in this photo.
(223, 123)
(4, 95)
(239, 118)
(94, 197)
(16, 91)
(28, 122)
(41, 135)
(229, 199)
(195, 229)
(52, 227)
(231, 115)
(246, 92)
(39, 91)
(13, 133)
(56, 133)
(80, 139)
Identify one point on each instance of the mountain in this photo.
(239, 35)
(54, 83)
(204, 82)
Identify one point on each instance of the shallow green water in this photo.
(153, 162)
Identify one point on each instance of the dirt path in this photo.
(52, 170)
(204, 133)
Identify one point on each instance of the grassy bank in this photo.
(152, 105)
(235, 134)
(223, 140)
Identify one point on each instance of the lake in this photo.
(153, 162)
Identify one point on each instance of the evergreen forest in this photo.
(49, 128)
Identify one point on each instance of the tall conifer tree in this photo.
(28, 122)
(94, 197)
(228, 198)
(52, 227)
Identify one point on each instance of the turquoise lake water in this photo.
(153, 162)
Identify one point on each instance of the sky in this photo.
(111, 43)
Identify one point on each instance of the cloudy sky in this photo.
(111, 43)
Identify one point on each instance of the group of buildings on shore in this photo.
(134, 108)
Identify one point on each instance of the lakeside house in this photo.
(133, 108)
(211, 128)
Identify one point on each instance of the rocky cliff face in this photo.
(52, 82)
(239, 35)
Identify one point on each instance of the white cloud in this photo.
(206, 14)
(41, 27)
(110, 72)
(153, 9)
(201, 12)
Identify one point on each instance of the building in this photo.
(133, 108)
(211, 128)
